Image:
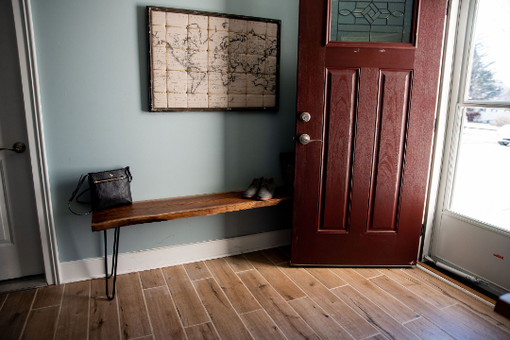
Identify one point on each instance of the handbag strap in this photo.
(75, 192)
(128, 173)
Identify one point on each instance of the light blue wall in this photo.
(92, 63)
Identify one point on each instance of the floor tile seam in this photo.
(381, 307)
(397, 301)
(3, 303)
(449, 281)
(252, 311)
(284, 274)
(200, 279)
(419, 282)
(324, 283)
(446, 332)
(347, 283)
(244, 285)
(374, 303)
(89, 300)
(287, 303)
(146, 307)
(352, 309)
(196, 294)
(323, 311)
(274, 322)
(466, 305)
(371, 336)
(230, 302)
(446, 307)
(273, 262)
(429, 303)
(277, 268)
(366, 316)
(160, 272)
(144, 289)
(371, 277)
(201, 303)
(193, 280)
(378, 287)
(419, 317)
(140, 337)
(319, 305)
(283, 299)
(175, 307)
(477, 323)
(439, 289)
(39, 308)
(118, 316)
(28, 314)
(59, 312)
(297, 299)
(198, 324)
(424, 302)
(240, 271)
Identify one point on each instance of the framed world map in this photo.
(203, 61)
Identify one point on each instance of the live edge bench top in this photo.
(179, 207)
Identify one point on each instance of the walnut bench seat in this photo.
(178, 207)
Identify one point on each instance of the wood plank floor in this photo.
(253, 296)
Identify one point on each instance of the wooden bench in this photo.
(167, 209)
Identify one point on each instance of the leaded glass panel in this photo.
(371, 21)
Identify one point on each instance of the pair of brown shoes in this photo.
(261, 189)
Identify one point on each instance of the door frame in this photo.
(439, 143)
(33, 117)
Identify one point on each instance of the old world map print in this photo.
(212, 61)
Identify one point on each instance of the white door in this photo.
(471, 230)
(20, 242)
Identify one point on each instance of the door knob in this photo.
(305, 117)
(304, 139)
(18, 147)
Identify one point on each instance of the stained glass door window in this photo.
(371, 21)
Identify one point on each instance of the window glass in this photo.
(490, 67)
(481, 183)
(371, 21)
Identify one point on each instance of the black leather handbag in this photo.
(108, 189)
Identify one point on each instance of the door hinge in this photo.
(422, 231)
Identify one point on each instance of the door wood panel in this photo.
(340, 126)
(389, 146)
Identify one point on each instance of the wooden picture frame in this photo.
(205, 61)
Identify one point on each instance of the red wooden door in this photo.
(361, 182)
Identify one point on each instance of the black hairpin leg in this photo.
(115, 256)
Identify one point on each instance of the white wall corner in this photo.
(168, 256)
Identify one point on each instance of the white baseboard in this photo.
(168, 256)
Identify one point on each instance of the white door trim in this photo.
(31, 97)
